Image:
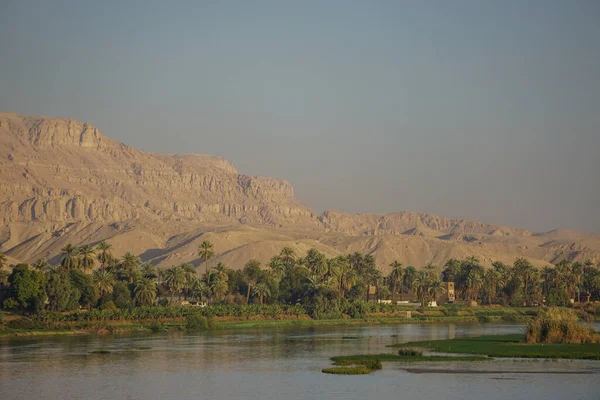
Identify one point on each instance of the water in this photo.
(275, 364)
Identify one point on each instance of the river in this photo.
(275, 364)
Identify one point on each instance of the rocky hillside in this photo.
(64, 181)
(62, 170)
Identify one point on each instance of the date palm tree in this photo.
(344, 276)
(252, 273)
(473, 282)
(198, 289)
(144, 292)
(130, 266)
(396, 275)
(86, 257)
(491, 279)
(261, 290)
(435, 289)
(317, 262)
(104, 281)
(421, 286)
(69, 260)
(451, 270)
(410, 274)
(205, 251)
(175, 279)
(277, 267)
(104, 255)
(41, 265)
(190, 275)
(288, 256)
(149, 271)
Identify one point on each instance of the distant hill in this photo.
(63, 181)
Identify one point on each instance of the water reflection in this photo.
(277, 364)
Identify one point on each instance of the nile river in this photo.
(275, 364)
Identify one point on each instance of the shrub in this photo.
(163, 302)
(559, 325)
(450, 311)
(157, 327)
(354, 309)
(347, 370)
(10, 304)
(558, 297)
(196, 322)
(404, 351)
(25, 323)
(509, 317)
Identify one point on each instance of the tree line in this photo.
(91, 277)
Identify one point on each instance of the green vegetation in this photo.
(409, 352)
(559, 325)
(387, 357)
(508, 346)
(355, 367)
(361, 364)
(358, 370)
(195, 322)
(91, 289)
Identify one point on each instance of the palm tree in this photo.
(451, 270)
(525, 271)
(432, 271)
(345, 277)
(190, 275)
(104, 254)
(86, 257)
(410, 274)
(261, 290)
(396, 275)
(435, 289)
(473, 282)
(41, 264)
(69, 260)
(175, 279)
(252, 273)
(316, 262)
(149, 271)
(205, 251)
(577, 272)
(130, 264)
(104, 281)
(198, 289)
(287, 256)
(421, 286)
(145, 292)
(277, 267)
(490, 284)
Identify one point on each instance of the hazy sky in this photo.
(486, 110)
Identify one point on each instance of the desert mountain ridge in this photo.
(64, 181)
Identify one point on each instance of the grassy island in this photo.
(508, 346)
(554, 333)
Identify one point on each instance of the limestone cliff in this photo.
(65, 170)
(63, 181)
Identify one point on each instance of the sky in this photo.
(483, 110)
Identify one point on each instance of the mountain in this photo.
(64, 181)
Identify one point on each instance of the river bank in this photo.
(16, 325)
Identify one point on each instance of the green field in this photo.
(508, 346)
